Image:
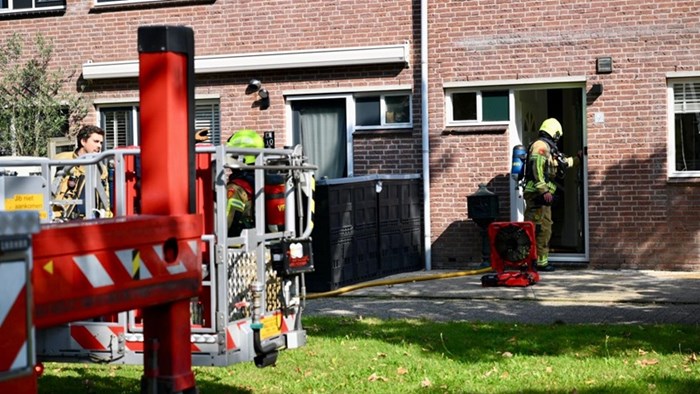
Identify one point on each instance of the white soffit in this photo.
(264, 61)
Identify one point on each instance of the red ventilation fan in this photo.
(513, 255)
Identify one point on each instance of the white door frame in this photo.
(349, 121)
(515, 138)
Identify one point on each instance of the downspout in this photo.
(425, 149)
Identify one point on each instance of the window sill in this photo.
(375, 132)
(476, 129)
(138, 5)
(32, 13)
(683, 181)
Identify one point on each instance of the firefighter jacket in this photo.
(544, 164)
(239, 205)
(72, 187)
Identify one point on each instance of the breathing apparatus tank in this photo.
(517, 170)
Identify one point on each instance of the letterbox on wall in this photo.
(482, 206)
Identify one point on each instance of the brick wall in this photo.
(227, 27)
(637, 218)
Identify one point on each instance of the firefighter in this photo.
(544, 165)
(239, 188)
(71, 187)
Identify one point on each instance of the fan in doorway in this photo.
(513, 255)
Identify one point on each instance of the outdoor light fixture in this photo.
(253, 86)
(603, 65)
(596, 89)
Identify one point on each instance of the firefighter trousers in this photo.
(541, 216)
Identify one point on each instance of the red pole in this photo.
(166, 82)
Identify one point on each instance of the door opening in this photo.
(569, 214)
(320, 127)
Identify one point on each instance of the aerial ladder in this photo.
(161, 284)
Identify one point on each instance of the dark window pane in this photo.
(494, 105)
(687, 135)
(367, 111)
(21, 4)
(49, 3)
(464, 106)
(397, 109)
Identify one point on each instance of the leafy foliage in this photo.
(33, 104)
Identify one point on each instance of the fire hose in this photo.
(387, 282)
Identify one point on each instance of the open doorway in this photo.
(569, 233)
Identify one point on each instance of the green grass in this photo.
(415, 356)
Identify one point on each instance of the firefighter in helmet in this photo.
(544, 165)
(239, 188)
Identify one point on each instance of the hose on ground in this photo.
(387, 282)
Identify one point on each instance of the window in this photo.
(477, 106)
(385, 111)
(684, 154)
(118, 124)
(30, 5)
(121, 126)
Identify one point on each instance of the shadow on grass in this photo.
(106, 379)
(469, 342)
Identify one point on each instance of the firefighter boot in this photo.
(544, 266)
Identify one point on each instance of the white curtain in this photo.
(322, 132)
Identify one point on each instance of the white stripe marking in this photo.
(14, 278)
(124, 257)
(21, 360)
(177, 269)
(93, 270)
(193, 245)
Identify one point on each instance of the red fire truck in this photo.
(162, 283)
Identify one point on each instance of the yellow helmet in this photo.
(552, 127)
(246, 138)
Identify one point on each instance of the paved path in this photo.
(564, 296)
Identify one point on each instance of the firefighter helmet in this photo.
(552, 127)
(246, 138)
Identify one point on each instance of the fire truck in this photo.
(232, 296)
(162, 283)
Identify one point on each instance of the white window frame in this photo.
(349, 121)
(449, 109)
(34, 8)
(383, 125)
(134, 119)
(134, 104)
(676, 79)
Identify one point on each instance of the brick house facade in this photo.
(496, 69)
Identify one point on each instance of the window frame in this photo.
(383, 125)
(449, 109)
(60, 5)
(135, 110)
(672, 172)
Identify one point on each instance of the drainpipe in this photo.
(425, 149)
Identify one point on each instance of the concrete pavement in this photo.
(564, 296)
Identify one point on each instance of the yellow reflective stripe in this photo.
(236, 204)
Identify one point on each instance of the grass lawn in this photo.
(416, 356)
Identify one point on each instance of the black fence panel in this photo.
(365, 228)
